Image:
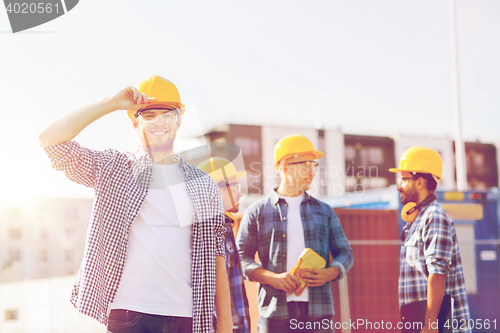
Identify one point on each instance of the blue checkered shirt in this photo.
(263, 229)
(431, 246)
(121, 183)
(239, 303)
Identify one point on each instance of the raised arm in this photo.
(66, 128)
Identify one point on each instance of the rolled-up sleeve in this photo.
(79, 164)
(247, 242)
(339, 246)
(438, 243)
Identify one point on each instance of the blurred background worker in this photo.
(430, 262)
(150, 263)
(224, 173)
(279, 227)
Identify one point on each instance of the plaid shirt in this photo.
(239, 302)
(431, 246)
(263, 229)
(121, 182)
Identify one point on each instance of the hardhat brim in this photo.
(158, 105)
(395, 170)
(316, 153)
(238, 175)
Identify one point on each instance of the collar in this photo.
(141, 154)
(275, 197)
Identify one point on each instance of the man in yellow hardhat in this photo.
(279, 227)
(155, 255)
(430, 262)
(224, 173)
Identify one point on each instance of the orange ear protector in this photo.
(410, 210)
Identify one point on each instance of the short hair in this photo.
(431, 182)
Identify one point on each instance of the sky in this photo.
(367, 67)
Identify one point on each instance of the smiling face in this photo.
(157, 129)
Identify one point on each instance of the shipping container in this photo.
(476, 218)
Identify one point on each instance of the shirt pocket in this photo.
(316, 223)
(412, 251)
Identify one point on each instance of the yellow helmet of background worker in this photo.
(220, 169)
(165, 93)
(421, 159)
(294, 145)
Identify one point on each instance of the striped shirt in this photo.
(121, 183)
(431, 246)
(263, 229)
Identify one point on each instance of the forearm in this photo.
(345, 258)
(68, 127)
(222, 297)
(436, 285)
(261, 275)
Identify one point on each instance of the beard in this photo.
(410, 195)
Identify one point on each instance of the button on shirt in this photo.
(262, 229)
(431, 246)
(121, 182)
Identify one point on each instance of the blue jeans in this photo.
(298, 321)
(125, 321)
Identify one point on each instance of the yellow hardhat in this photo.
(165, 92)
(220, 169)
(421, 159)
(293, 145)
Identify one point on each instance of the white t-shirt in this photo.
(157, 274)
(295, 240)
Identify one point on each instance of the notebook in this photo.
(307, 259)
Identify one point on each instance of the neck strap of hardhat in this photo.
(423, 203)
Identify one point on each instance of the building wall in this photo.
(498, 165)
(42, 306)
(335, 163)
(42, 238)
(481, 164)
(367, 162)
(332, 177)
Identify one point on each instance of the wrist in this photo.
(334, 272)
(108, 105)
(224, 324)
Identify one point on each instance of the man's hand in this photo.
(284, 281)
(129, 98)
(318, 277)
